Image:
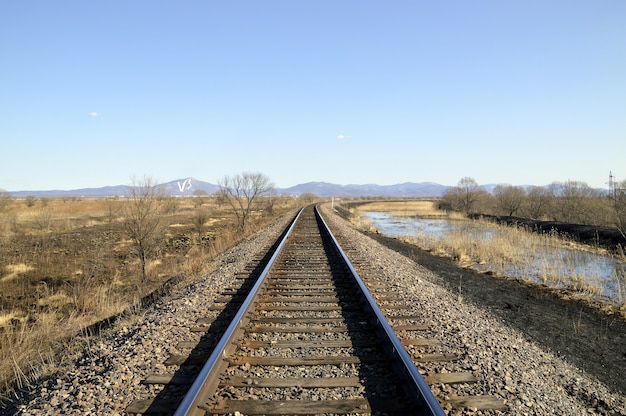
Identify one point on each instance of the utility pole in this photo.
(612, 190)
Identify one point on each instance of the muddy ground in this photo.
(589, 336)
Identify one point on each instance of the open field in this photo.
(67, 264)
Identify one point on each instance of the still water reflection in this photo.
(601, 276)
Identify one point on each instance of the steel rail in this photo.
(189, 405)
(419, 385)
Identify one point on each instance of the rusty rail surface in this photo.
(298, 332)
(305, 262)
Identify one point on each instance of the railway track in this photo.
(300, 335)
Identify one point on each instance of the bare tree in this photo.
(509, 198)
(269, 202)
(198, 221)
(464, 196)
(242, 192)
(143, 222)
(199, 197)
(574, 202)
(537, 202)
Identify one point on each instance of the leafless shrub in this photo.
(464, 197)
(144, 223)
(200, 197)
(242, 193)
(537, 202)
(198, 221)
(509, 198)
(30, 201)
(573, 202)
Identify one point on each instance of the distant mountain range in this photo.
(189, 186)
(407, 189)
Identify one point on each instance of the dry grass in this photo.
(420, 208)
(424, 208)
(14, 270)
(505, 250)
(620, 278)
(512, 248)
(12, 318)
(66, 264)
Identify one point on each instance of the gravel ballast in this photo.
(530, 379)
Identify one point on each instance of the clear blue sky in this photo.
(93, 93)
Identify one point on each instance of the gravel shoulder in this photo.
(543, 353)
(540, 356)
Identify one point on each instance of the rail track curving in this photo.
(301, 335)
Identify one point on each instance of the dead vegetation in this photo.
(498, 249)
(66, 264)
(588, 334)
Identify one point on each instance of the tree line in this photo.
(572, 202)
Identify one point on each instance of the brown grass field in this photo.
(66, 264)
(425, 208)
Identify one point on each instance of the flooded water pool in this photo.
(601, 276)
